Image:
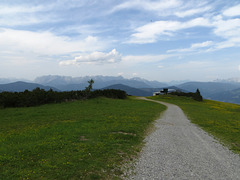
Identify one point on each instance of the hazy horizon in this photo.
(163, 40)
(171, 82)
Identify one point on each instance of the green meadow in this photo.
(89, 139)
(93, 139)
(220, 119)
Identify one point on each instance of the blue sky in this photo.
(160, 40)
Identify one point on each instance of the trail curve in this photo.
(178, 149)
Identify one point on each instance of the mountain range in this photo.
(208, 89)
(220, 90)
(67, 83)
(21, 86)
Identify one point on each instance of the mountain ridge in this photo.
(129, 90)
(21, 86)
(222, 91)
(208, 88)
(231, 96)
(64, 82)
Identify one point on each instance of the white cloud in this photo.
(7, 10)
(44, 12)
(145, 58)
(227, 28)
(134, 74)
(233, 11)
(45, 43)
(179, 8)
(239, 67)
(196, 22)
(227, 44)
(95, 58)
(54, 31)
(156, 6)
(150, 32)
(192, 12)
(194, 47)
(201, 45)
(22, 20)
(120, 73)
(21, 15)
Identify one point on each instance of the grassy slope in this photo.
(219, 119)
(74, 140)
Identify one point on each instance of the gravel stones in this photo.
(178, 149)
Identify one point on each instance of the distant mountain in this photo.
(232, 96)
(139, 91)
(129, 90)
(230, 80)
(5, 80)
(11, 80)
(153, 84)
(175, 83)
(22, 86)
(207, 89)
(221, 90)
(79, 83)
(72, 87)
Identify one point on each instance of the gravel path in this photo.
(178, 149)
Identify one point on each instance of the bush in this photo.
(40, 96)
(196, 96)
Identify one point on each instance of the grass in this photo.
(73, 140)
(220, 119)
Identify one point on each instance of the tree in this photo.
(89, 88)
(197, 96)
(165, 91)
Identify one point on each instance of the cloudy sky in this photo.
(160, 40)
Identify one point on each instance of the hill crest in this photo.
(21, 86)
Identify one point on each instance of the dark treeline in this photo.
(196, 96)
(39, 96)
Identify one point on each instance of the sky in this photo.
(161, 40)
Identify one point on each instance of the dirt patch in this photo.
(124, 133)
(83, 138)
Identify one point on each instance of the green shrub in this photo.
(40, 96)
(196, 96)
